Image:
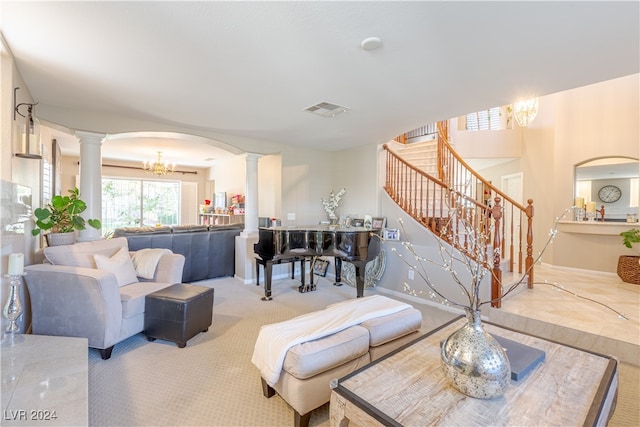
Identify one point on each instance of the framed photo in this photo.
(367, 222)
(357, 222)
(320, 267)
(391, 234)
(379, 222)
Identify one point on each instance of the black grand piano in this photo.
(356, 245)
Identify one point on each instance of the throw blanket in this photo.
(276, 339)
(146, 260)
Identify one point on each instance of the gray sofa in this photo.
(91, 290)
(209, 251)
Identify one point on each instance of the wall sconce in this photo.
(525, 111)
(30, 135)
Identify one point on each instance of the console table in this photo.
(45, 381)
(407, 387)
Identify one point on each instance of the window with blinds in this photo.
(484, 120)
(47, 182)
(135, 202)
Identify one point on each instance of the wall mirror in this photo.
(611, 182)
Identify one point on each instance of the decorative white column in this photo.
(245, 260)
(251, 196)
(91, 181)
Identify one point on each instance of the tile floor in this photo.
(558, 315)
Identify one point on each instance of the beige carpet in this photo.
(212, 382)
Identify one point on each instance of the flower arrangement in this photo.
(332, 203)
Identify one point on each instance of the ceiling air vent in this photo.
(326, 109)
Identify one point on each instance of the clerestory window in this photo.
(484, 120)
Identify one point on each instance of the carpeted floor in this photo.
(212, 382)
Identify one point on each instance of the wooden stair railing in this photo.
(426, 199)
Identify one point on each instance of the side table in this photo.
(45, 381)
(178, 313)
(407, 387)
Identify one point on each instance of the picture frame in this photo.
(391, 234)
(368, 219)
(379, 222)
(357, 222)
(320, 267)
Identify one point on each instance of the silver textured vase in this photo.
(474, 362)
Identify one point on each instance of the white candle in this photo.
(591, 206)
(16, 265)
(579, 203)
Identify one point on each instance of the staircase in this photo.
(432, 184)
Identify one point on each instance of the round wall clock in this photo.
(609, 194)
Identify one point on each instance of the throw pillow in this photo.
(119, 264)
(82, 254)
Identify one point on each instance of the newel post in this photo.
(496, 273)
(529, 259)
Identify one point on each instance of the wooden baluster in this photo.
(520, 242)
(511, 247)
(529, 258)
(496, 276)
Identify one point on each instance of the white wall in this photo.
(269, 185)
(572, 127)
(591, 122)
(356, 171)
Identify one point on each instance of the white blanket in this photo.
(274, 340)
(146, 260)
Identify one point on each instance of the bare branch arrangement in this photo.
(477, 244)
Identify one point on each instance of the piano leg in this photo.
(338, 265)
(268, 268)
(258, 262)
(304, 287)
(360, 270)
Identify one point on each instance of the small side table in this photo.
(178, 313)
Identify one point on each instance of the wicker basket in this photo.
(629, 268)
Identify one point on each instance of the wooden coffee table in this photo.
(408, 388)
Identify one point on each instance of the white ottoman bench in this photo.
(309, 367)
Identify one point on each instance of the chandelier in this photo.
(525, 111)
(157, 167)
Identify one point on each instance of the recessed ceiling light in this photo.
(371, 43)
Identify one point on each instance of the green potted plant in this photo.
(629, 265)
(630, 237)
(62, 216)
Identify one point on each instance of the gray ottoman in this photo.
(178, 313)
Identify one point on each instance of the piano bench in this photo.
(262, 262)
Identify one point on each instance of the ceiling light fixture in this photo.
(30, 141)
(371, 43)
(525, 111)
(158, 168)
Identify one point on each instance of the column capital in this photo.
(252, 156)
(90, 137)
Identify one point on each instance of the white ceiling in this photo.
(240, 74)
